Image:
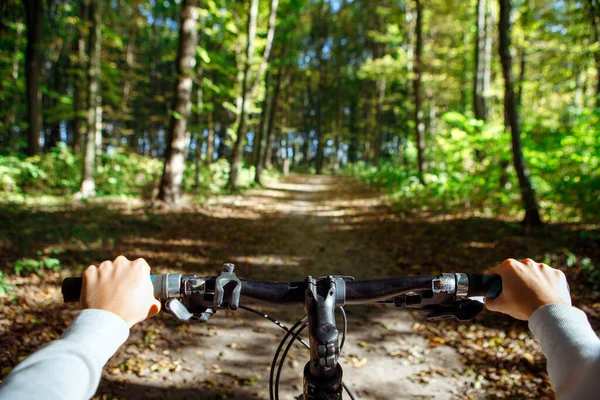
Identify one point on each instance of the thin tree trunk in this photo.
(34, 11)
(267, 163)
(268, 44)
(419, 124)
(79, 79)
(88, 186)
(263, 131)
(210, 140)
(594, 6)
(98, 126)
(523, 63)
(464, 72)
(12, 109)
(170, 186)
(200, 107)
(479, 101)
(380, 96)
(238, 147)
(532, 216)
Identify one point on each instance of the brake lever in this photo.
(463, 310)
(437, 306)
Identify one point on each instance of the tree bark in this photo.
(267, 159)
(268, 44)
(481, 61)
(380, 96)
(532, 216)
(12, 106)
(263, 129)
(34, 11)
(419, 124)
(79, 79)
(88, 186)
(200, 107)
(210, 140)
(170, 185)
(238, 148)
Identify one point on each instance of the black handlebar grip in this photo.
(489, 286)
(71, 289)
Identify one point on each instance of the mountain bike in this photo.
(197, 298)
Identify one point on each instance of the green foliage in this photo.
(4, 286)
(471, 165)
(122, 174)
(30, 266)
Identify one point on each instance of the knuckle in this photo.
(121, 258)
(105, 265)
(90, 270)
(142, 264)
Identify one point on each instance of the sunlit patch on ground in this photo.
(305, 226)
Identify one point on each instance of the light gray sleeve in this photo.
(69, 368)
(571, 348)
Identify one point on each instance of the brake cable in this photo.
(274, 387)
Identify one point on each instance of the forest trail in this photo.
(314, 226)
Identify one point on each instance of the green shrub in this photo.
(4, 287)
(470, 164)
(30, 266)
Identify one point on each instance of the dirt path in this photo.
(313, 227)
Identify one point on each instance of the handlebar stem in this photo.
(319, 304)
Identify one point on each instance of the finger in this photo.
(142, 265)
(121, 259)
(529, 262)
(105, 265)
(491, 304)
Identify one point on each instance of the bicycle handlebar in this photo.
(293, 293)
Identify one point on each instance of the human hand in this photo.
(526, 286)
(122, 287)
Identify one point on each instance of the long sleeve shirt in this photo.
(69, 368)
(572, 350)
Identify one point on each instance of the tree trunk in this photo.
(419, 124)
(170, 185)
(210, 140)
(238, 148)
(88, 186)
(79, 79)
(34, 11)
(532, 216)
(12, 106)
(380, 93)
(481, 61)
(268, 44)
(523, 63)
(267, 161)
(200, 107)
(595, 14)
(263, 131)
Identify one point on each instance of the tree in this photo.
(247, 86)
(417, 71)
(88, 186)
(481, 77)
(512, 123)
(79, 80)
(34, 12)
(170, 185)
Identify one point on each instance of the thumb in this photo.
(491, 304)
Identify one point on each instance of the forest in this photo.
(293, 137)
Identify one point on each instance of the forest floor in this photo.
(304, 225)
